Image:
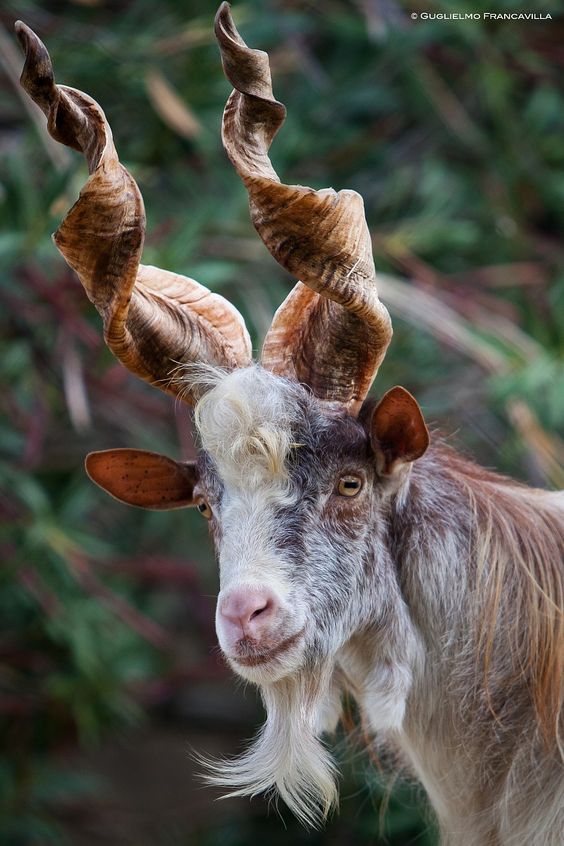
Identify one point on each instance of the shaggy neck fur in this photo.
(480, 566)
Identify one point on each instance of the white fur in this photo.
(287, 755)
(245, 423)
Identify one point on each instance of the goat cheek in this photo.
(345, 519)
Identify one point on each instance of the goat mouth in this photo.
(251, 656)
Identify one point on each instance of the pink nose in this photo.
(248, 612)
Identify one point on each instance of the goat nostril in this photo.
(261, 610)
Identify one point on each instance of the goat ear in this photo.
(398, 433)
(141, 478)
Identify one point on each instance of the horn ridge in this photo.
(154, 320)
(332, 331)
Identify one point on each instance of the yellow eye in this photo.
(203, 507)
(349, 485)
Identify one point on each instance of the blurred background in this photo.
(453, 131)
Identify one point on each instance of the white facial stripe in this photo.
(246, 424)
(249, 561)
(248, 554)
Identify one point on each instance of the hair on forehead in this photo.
(246, 420)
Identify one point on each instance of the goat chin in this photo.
(267, 670)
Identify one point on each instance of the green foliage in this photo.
(451, 130)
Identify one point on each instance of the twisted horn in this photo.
(153, 320)
(332, 331)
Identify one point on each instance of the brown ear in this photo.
(398, 433)
(141, 478)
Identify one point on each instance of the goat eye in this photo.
(349, 485)
(203, 507)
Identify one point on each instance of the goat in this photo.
(355, 556)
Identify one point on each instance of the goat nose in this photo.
(248, 609)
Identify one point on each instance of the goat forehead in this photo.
(246, 423)
(262, 430)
